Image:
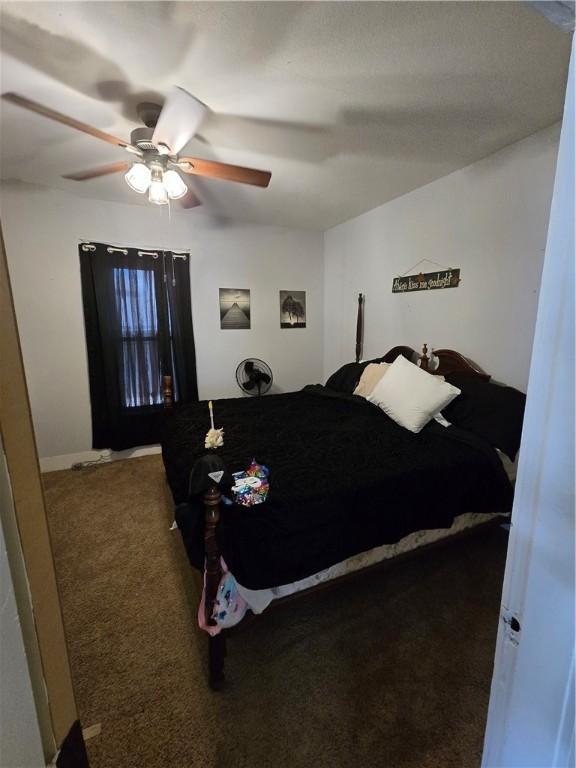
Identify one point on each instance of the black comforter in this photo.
(344, 478)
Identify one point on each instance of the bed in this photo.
(349, 489)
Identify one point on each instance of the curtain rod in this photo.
(178, 252)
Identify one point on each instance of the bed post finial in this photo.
(359, 327)
(424, 361)
(167, 393)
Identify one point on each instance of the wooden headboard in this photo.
(443, 361)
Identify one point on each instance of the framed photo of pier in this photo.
(234, 308)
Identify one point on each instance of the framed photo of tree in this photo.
(292, 309)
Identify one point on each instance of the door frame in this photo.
(28, 543)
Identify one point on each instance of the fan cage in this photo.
(250, 371)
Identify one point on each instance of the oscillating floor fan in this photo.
(254, 376)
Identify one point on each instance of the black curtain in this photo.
(137, 311)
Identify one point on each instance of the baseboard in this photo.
(65, 461)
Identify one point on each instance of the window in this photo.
(141, 379)
(138, 329)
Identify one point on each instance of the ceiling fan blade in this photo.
(179, 120)
(94, 173)
(71, 122)
(189, 200)
(216, 170)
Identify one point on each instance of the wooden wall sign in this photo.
(429, 281)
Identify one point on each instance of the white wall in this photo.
(489, 219)
(42, 228)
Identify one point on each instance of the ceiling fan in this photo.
(156, 163)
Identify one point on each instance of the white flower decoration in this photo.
(214, 438)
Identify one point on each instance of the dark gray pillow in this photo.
(346, 378)
(490, 411)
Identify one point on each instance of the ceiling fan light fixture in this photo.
(167, 131)
(138, 178)
(157, 193)
(174, 185)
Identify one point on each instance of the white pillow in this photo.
(411, 396)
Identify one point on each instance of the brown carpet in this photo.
(389, 670)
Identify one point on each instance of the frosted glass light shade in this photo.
(157, 193)
(174, 185)
(138, 177)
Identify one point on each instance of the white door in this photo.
(531, 713)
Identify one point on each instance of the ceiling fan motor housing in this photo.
(149, 113)
(142, 138)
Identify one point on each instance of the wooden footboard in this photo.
(212, 576)
(213, 568)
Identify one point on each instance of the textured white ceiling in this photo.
(348, 104)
